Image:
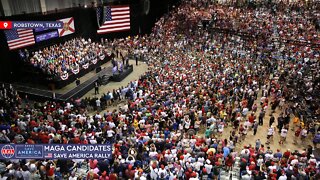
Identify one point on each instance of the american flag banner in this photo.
(117, 18)
(48, 155)
(18, 38)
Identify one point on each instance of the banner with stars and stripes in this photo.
(117, 18)
(18, 38)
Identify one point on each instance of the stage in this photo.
(72, 91)
(118, 77)
(35, 76)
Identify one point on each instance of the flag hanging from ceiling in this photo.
(18, 38)
(68, 26)
(117, 18)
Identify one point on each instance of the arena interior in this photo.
(159, 89)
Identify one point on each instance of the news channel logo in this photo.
(7, 151)
(21, 151)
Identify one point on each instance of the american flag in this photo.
(48, 155)
(117, 18)
(18, 38)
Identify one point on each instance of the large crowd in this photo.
(198, 83)
(298, 25)
(69, 57)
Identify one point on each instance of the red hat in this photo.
(204, 170)
(181, 157)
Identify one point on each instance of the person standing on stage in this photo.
(96, 88)
(78, 82)
(123, 60)
(136, 54)
(114, 63)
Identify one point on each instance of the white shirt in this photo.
(268, 156)
(220, 127)
(201, 160)
(152, 154)
(283, 177)
(22, 125)
(245, 111)
(294, 162)
(197, 166)
(284, 132)
(112, 125)
(98, 116)
(110, 133)
(162, 171)
(93, 141)
(187, 124)
(63, 127)
(270, 131)
(69, 106)
(312, 160)
(272, 168)
(259, 162)
(142, 121)
(111, 95)
(247, 123)
(168, 156)
(98, 102)
(208, 168)
(197, 124)
(304, 132)
(153, 173)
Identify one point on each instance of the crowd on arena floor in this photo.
(196, 79)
